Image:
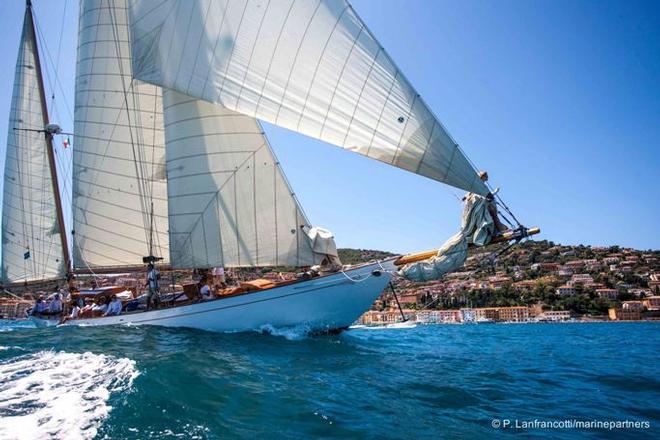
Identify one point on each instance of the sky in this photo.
(558, 100)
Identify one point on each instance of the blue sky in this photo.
(558, 100)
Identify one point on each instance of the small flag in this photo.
(66, 142)
(26, 256)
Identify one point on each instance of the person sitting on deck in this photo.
(75, 311)
(205, 290)
(55, 306)
(79, 300)
(114, 308)
(39, 305)
(100, 307)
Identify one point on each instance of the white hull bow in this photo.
(327, 303)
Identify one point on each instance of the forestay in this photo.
(119, 176)
(229, 203)
(310, 66)
(31, 241)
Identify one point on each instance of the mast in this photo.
(49, 141)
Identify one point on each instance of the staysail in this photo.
(119, 175)
(229, 202)
(309, 66)
(31, 237)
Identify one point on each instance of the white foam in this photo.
(58, 394)
(294, 333)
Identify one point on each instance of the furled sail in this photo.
(311, 66)
(229, 203)
(119, 176)
(31, 242)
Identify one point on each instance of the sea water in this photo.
(442, 381)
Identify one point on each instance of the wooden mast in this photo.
(49, 141)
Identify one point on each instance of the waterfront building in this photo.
(555, 315)
(498, 314)
(486, 314)
(439, 316)
(624, 314)
(513, 314)
(373, 317)
(468, 315)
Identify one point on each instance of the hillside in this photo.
(581, 279)
(355, 256)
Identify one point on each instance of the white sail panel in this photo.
(119, 178)
(310, 66)
(229, 203)
(31, 242)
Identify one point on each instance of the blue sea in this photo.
(442, 381)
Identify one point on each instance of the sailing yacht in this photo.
(171, 164)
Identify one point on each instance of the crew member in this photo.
(205, 290)
(153, 275)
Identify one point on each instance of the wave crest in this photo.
(58, 394)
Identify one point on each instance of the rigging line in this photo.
(59, 44)
(506, 219)
(356, 279)
(49, 59)
(148, 182)
(501, 202)
(96, 277)
(136, 153)
(153, 169)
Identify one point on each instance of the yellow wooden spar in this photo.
(506, 236)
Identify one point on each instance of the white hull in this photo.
(326, 303)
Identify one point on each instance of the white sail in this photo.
(119, 178)
(229, 203)
(311, 66)
(31, 242)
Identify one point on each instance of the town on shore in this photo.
(534, 281)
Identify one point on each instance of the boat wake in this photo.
(58, 394)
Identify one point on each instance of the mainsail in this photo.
(31, 237)
(309, 66)
(229, 203)
(119, 176)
